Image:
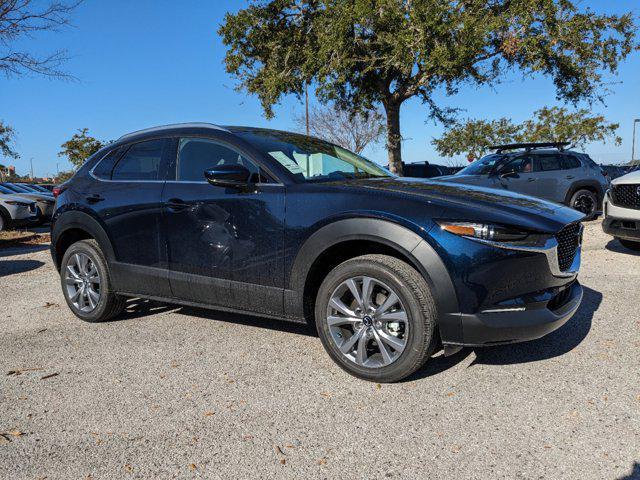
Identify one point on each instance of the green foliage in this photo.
(63, 176)
(363, 53)
(80, 147)
(7, 136)
(555, 124)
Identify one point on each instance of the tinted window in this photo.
(549, 162)
(141, 162)
(569, 162)
(195, 155)
(518, 165)
(105, 166)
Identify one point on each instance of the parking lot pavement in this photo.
(170, 392)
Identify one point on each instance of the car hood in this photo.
(15, 197)
(37, 197)
(476, 203)
(629, 178)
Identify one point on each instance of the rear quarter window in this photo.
(105, 166)
(141, 161)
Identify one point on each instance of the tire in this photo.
(630, 244)
(4, 224)
(87, 307)
(415, 304)
(585, 201)
(40, 216)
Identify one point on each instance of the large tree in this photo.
(351, 130)
(555, 124)
(80, 147)
(363, 53)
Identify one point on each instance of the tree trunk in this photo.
(393, 137)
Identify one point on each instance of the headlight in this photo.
(483, 231)
(15, 202)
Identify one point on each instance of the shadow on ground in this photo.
(557, 343)
(21, 249)
(137, 308)
(615, 246)
(11, 267)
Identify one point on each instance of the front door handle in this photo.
(176, 204)
(569, 177)
(531, 179)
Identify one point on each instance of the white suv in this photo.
(622, 210)
(16, 211)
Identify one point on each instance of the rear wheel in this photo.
(585, 201)
(86, 283)
(376, 318)
(631, 245)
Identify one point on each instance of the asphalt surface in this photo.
(170, 392)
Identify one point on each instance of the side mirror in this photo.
(230, 176)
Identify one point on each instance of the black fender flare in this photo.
(407, 242)
(76, 219)
(592, 184)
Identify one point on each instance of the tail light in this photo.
(57, 191)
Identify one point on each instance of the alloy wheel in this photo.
(368, 322)
(585, 204)
(82, 281)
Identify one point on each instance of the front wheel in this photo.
(86, 283)
(630, 244)
(585, 201)
(376, 318)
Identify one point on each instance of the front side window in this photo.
(311, 159)
(518, 165)
(483, 166)
(196, 155)
(140, 162)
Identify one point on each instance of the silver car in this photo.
(16, 211)
(535, 169)
(44, 202)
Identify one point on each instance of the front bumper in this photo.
(621, 222)
(511, 326)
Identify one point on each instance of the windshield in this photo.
(484, 166)
(311, 159)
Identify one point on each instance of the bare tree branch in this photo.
(351, 130)
(22, 19)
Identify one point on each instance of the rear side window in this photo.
(141, 162)
(195, 155)
(569, 162)
(549, 162)
(105, 166)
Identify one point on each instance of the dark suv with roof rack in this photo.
(285, 226)
(544, 170)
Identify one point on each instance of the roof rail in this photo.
(529, 146)
(174, 125)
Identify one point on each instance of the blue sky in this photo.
(150, 62)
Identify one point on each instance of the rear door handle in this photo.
(94, 198)
(569, 177)
(176, 204)
(531, 179)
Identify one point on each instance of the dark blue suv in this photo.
(281, 225)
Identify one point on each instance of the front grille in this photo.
(626, 195)
(568, 244)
